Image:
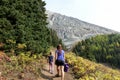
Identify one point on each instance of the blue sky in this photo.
(105, 13)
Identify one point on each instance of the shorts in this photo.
(50, 63)
(59, 62)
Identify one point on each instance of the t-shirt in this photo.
(50, 58)
(60, 55)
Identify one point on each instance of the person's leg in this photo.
(52, 67)
(57, 70)
(62, 72)
(49, 67)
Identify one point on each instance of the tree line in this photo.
(102, 48)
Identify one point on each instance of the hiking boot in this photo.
(51, 72)
(57, 75)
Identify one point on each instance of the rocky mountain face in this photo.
(72, 30)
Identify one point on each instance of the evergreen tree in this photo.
(23, 22)
(102, 48)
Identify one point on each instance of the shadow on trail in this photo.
(46, 76)
(46, 70)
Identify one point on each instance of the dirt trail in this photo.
(46, 75)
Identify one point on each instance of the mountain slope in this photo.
(72, 30)
(102, 48)
(84, 69)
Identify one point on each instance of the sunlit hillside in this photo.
(84, 69)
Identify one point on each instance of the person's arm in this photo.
(55, 55)
(48, 59)
(64, 55)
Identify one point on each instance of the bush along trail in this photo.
(21, 67)
(84, 69)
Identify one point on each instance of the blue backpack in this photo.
(66, 67)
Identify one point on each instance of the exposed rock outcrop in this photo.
(72, 30)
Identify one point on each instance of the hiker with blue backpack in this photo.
(50, 60)
(60, 61)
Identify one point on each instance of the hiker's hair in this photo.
(58, 47)
(50, 53)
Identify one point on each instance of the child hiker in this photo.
(50, 60)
